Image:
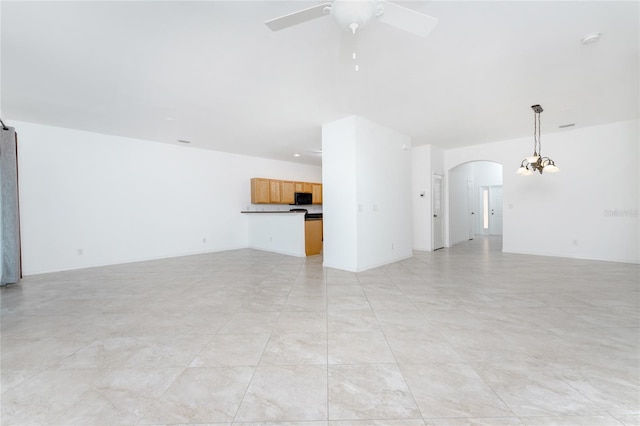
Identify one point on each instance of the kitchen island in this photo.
(283, 232)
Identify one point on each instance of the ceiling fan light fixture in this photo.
(353, 14)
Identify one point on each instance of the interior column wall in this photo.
(367, 182)
(339, 177)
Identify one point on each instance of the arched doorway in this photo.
(474, 201)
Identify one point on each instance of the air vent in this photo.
(562, 126)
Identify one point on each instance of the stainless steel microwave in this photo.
(301, 198)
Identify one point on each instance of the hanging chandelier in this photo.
(536, 163)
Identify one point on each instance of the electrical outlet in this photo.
(80, 252)
(204, 241)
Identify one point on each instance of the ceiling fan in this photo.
(354, 15)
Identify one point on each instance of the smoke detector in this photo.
(591, 38)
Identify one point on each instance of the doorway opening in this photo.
(475, 201)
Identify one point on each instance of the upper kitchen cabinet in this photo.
(265, 191)
(316, 193)
(260, 191)
(303, 186)
(274, 191)
(287, 188)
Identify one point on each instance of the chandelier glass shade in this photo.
(536, 162)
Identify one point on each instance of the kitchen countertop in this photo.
(308, 216)
(271, 211)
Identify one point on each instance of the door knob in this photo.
(435, 215)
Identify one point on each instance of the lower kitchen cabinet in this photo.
(313, 237)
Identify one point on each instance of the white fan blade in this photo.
(407, 19)
(298, 17)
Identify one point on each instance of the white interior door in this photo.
(495, 203)
(437, 223)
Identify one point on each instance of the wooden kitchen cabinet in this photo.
(288, 188)
(303, 186)
(266, 191)
(275, 192)
(316, 193)
(313, 237)
(260, 191)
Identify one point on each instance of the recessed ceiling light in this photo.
(591, 38)
(296, 155)
(183, 141)
(169, 118)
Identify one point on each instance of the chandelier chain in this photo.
(539, 141)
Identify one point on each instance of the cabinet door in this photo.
(302, 186)
(316, 190)
(260, 191)
(312, 237)
(288, 188)
(275, 196)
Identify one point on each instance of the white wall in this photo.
(588, 210)
(89, 199)
(425, 161)
(1, 255)
(421, 196)
(339, 203)
(277, 232)
(383, 164)
(367, 183)
(121, 200)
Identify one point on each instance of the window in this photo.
(485, 209)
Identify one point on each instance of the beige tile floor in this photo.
(466, 335)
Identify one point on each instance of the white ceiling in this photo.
(212, 73)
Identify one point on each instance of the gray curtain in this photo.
(10, 219)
